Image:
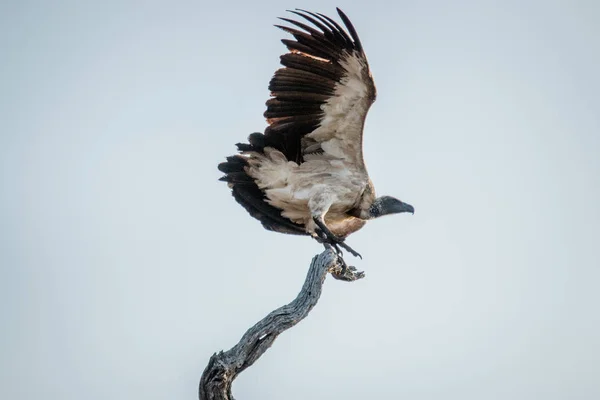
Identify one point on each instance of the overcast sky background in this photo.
(125, 264)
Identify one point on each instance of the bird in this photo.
(306, 174)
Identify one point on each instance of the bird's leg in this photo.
(322, 238)
(332, 239)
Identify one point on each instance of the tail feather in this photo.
(250, 196)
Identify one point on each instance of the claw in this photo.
(344, 265)
(350, 250)
(339, 256)
(341, 261)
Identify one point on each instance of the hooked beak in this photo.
(401, 207)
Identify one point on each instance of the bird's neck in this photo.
(361, 209)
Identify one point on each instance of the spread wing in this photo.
(319, 102)
(320, 98)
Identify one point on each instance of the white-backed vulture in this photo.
(306, 174)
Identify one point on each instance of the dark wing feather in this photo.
(247, 193)
(322, 94)
(319, 102)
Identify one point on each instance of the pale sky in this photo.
(125, 264)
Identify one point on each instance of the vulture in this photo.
(306, 175)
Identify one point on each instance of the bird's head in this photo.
(385, 205)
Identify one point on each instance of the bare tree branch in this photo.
(224, 367)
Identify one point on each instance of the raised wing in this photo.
(321, 97)
(318, 107)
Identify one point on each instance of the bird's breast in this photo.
(343, 225)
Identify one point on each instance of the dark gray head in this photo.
(388, 205)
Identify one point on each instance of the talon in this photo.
(344, 265)
(350, 250)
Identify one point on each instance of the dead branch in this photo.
(224, 367)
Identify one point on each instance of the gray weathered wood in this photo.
(224, 367)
